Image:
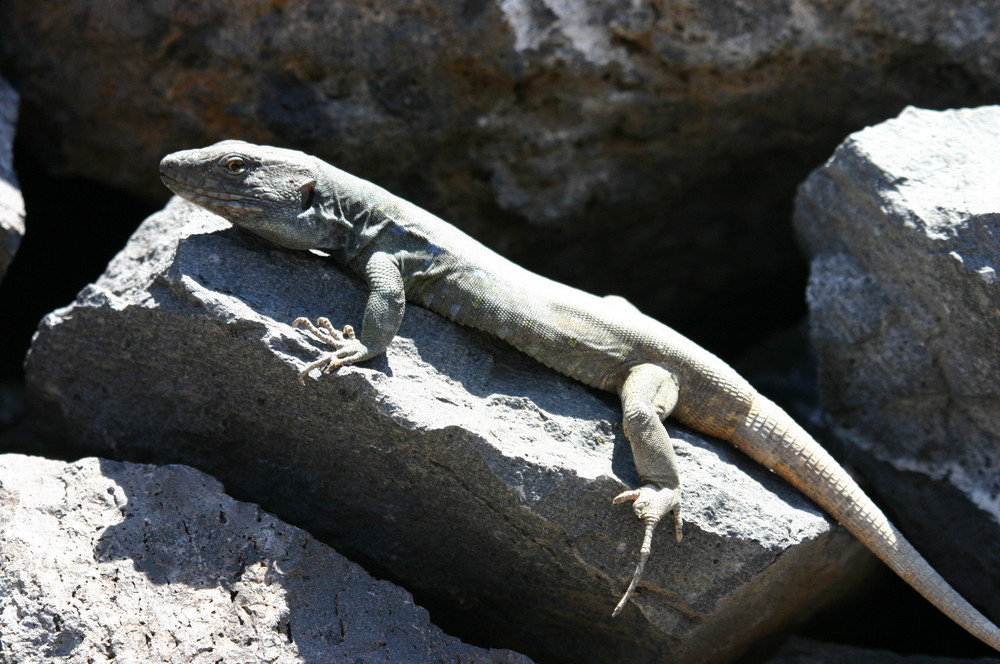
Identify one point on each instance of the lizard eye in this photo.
(236, 165)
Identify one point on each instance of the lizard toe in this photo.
(326, 364)
(625, 496)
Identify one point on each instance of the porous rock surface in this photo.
(477, 478)
(11, 202)
(673, 132)
(105, 561)
(903, 224)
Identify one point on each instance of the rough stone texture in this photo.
(904, 226)
(803, 651)
(673, 132)
(11, 203)
(475, 476)
(116, 562)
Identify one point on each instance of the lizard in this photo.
(405, 253)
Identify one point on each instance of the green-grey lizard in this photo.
(406, 253)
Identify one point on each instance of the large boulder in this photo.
(647, 148)
(11, 203)
(474, 476)
(116, 562)
(903, 224)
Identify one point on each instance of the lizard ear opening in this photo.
(307, 191)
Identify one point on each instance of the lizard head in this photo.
(269, 191)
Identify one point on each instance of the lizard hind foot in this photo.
(652, 503)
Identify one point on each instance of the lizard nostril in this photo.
(168, 164)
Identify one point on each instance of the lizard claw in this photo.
(325, 364)
(651, 504)
(325, 331)
(346, 347)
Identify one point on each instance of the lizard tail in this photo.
(772, 438)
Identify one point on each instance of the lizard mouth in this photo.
(173, 178)
(210, 198)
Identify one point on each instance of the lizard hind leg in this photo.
(649, 394)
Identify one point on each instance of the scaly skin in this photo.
(405, 253)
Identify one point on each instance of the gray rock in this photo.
(804, 651)
(553, 129)
(903, 224)
(476, 477)
(11, 203)
(107, 561)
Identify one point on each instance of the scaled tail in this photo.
(774, 440)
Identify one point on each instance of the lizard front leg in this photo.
(383, 316)
(649, 394)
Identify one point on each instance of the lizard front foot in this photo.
(346, 347)
(652, 503)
